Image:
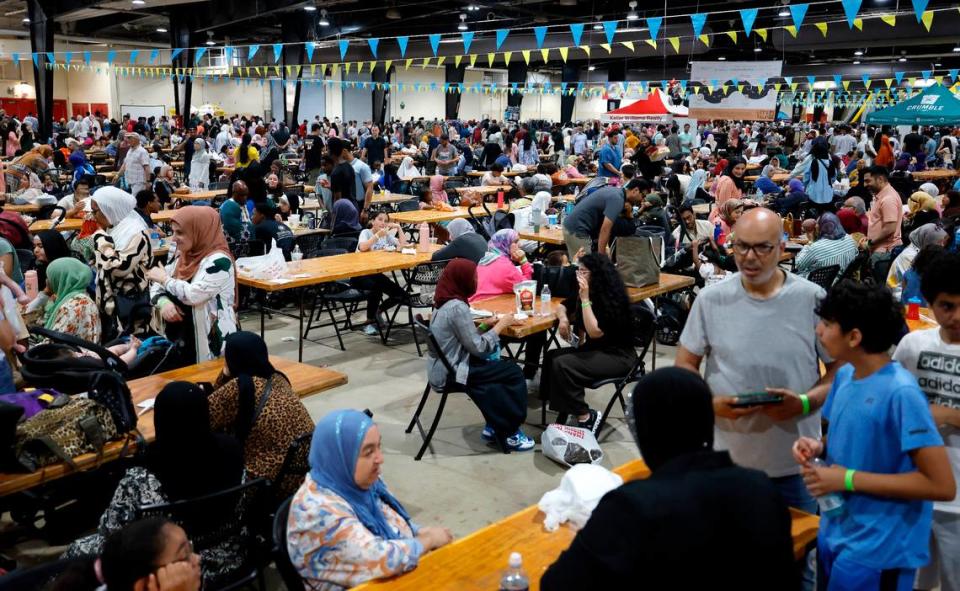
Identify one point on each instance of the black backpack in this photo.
(110, 389)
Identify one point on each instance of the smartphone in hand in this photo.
(749, 399)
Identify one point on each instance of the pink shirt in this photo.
(726, 190)
(499, 277)
(886, 207)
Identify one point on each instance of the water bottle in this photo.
(831, 503)
(500, 199)
(545, 308)
(535, 219)
(296, 255)
(514, 578)
(716, 231)
(154, 240)
(423, 245)
(913, 308)
(31, 283)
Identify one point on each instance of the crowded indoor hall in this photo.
(474, 295)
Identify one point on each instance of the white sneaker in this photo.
(371, 330)
(533, 384)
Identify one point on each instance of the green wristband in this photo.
(848, 480)
(805, 401)
(586, 304)
(483, 326)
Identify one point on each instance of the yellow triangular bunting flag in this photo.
(426, 62)
(776, 86)
(705, 39)
(629, 44)
(846, 84)
(313, 69)
(545, 54)
(526, 56)
(607, 47)
(441, 59)
(563, 53)
(939, 80)
(858, 23)
(456, 61)
(406, 65)
(586, 49)
(732, 35)
(649, 42)
(386, 66)
(794, 85)
(890, 19)
(506, 57)
(346, 67)
(710, 88)
(888, 81)
(739, 88)
(927, 19)
(675, 42)
(792, 30)
(822, 27)
(473, 59)
(762, 33)
(867, 82)
(276, 70)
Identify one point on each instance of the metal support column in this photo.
(42, 14)
(454, 75)
(181, 37)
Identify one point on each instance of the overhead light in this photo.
(473, 8)
(138, 2)
(310, 8)
(856, 62)
(591, 68)
(757, 49)
(721, 59)
(26, 21)
(783, 12)
(937, 65)
(211, 42)
(161, 30)
(902, 59)
(858, 52)
(597, 27)
(463, 23)
(956, 49)
(632, 15)
(325, 23)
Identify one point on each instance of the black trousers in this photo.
(377, 285)
(498, 390)
(567, 372)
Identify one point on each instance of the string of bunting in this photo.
(654, 25)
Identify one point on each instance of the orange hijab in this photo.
(203, 226)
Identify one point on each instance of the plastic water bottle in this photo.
(154, 240)
(31, 284)
(716, 231)
(535, 219)
(296, 255)
(514, 578)
(545, 300)
(831, 503)
(956, 240)
(423, 245)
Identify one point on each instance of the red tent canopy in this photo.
(651, 109)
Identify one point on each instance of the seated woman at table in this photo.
(165, 184)
(72, 311)
(464, 243)
(607, 352)
(924, 236)
(186, 461)
(406, 173)
(81, 168)
(264, 432)
(727, 186)
(195, 292)
(48, 246)
(494, 177)
(922, 209)
(276, 193)
(787, 201)
(730, 212)
(346, 219)
(381, 235)
(122, 254)
(765, 183)
(495, 385)
(833, 246)
(345, 528)
(696, 499)
(570, 168)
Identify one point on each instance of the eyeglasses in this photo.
(761, 250)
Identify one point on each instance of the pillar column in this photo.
(454, 76)
(293, 33)
(380, 95)
(182, 37)
(42, 14)
(570, 75)
(516, 72)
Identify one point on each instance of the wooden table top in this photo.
(552, 235)
(432, 215)
(199, 195)
(305, 231)
(67, 225)
(507, 304)
(933, 174)
(163, 216)
(780, 177)
(305, 379)
(477, 560)
(25, 208)
(481, 190)
(581, 181)
(667, 284)
(479, 173)
(342, 266)
(925, 321)
(701, 208)
(389, 198)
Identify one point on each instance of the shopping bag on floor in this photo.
(581, 488)
(271, 265)
(570, 445)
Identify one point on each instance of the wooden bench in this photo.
(305, 379)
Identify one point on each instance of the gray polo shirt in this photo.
(588, 215)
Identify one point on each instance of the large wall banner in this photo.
(714, 72)
(734, 106)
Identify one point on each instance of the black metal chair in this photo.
(857, 269)
(36, 577)
(309, 244)
(644, 329)
(222, 517)
(26, 259)
(329, 296)
(450, 387)
(824, 276)
(295, 466)
(248, 248)
(346, 243)
(423, 275)
(281, 557)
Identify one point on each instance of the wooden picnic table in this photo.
(780, 177)
(482, 190)
(164, 216)
(199, 195)
(547, 235)
(433, 215)
(305, 379)
(24, 208)
(67, 225)
(668, 282)
(390, 198)
(507, 304)
(477, 174)
(579, 181)
(477, 560)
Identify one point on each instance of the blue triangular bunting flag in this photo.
(811, 80)
(111, 55)
(798, 11)
(199, 54)
(402, 43)
(899, 77)
(434, 42)
(343, 43)
(953, 74)
(252, 52)
(919, 6)
(653, 23)
(277, 50)
(36, 62)
(133, 56)
(501, 37)
(373, 43)
(68, 57)
(926, 74)
(576, 31)
(467, 40)
(540, 33)
(50, 57)
(698, 20)
(836, 79)
(850, 9)
(310, 47)
(86, 58)
(609, 29)
(154, 55)
(748, 16)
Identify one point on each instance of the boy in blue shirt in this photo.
(884, 455)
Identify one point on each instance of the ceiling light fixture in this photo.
(138, 2)
(856, 62)
(473, 8)
(632, 15)
(591, 68)
(161, 30)
(956, 49)
(463, 23)
(598, 27)
(721, 59)
(26, 21)
(323, 18)
(211, 42)
(310, 8)
(858, 52)
(902, 59)
(757, 49)
(783, 12)
(937, 65)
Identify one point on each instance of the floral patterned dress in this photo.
(80, 317)
(333, 550)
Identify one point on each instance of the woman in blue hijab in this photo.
(81, 167)
(345, 528)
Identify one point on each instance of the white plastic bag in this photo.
(265, 267)
(570, 445)
(580, 490)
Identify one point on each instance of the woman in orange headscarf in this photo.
(884, 153)
(199, 287)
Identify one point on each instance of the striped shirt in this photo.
(824, 253)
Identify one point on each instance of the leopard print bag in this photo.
(61, 434)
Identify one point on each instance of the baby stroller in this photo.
(55, 365)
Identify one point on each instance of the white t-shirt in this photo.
(381, 243)
(936, 366)
(704, 230)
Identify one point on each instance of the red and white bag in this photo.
(570, 445)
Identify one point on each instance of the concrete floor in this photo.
(465, 484)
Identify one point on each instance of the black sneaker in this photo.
(592, 423)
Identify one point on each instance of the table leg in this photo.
(263, 296)
(300, 335)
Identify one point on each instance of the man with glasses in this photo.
(756, 331)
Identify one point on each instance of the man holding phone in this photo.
(757, 333)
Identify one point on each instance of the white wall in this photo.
(428, 104)
(245, 99)
(83, 86)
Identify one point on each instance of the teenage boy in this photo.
(884, 455)
(933, 356)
